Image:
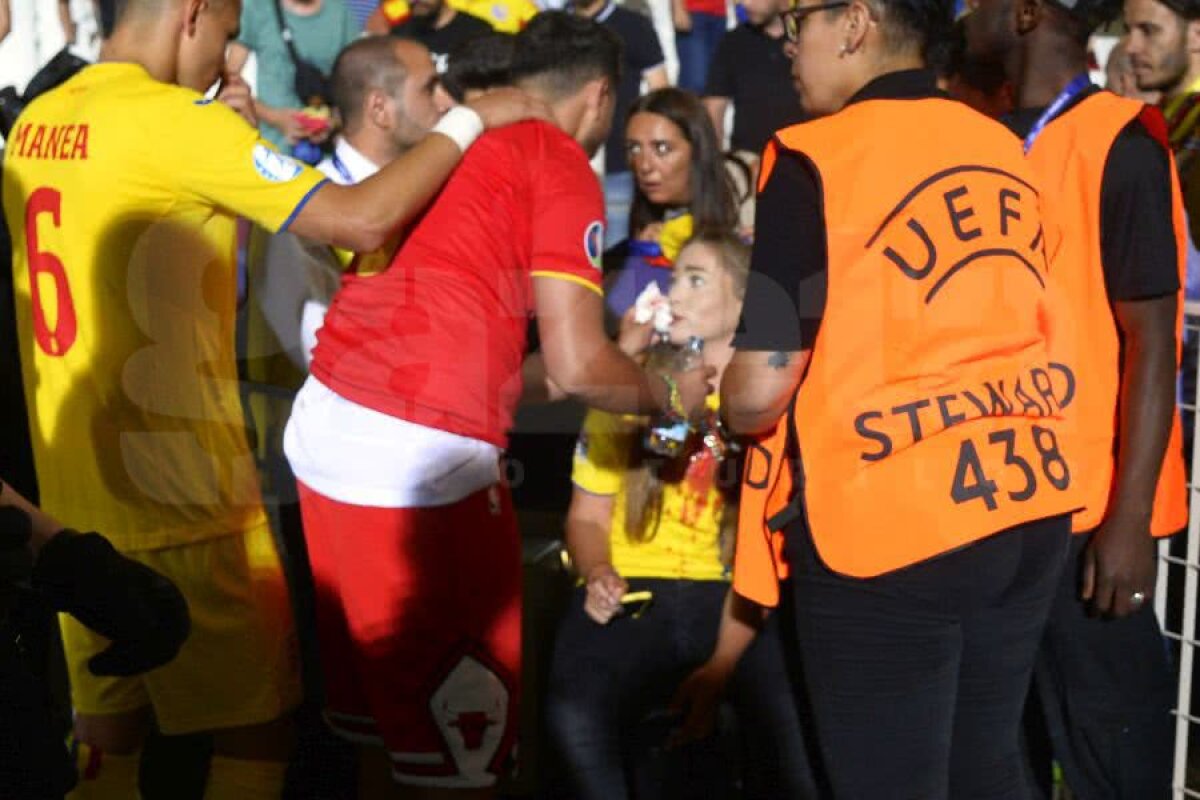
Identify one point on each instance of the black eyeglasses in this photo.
(795, 16)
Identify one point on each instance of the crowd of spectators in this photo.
(351, 86)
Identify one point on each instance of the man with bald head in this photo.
(387, 93)
(122, 188)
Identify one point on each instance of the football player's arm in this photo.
(362, 216)
(5, 19)
(536, 386)
(586, 364)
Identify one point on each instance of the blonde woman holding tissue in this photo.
(651, 637)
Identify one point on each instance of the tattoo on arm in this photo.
(779, 360)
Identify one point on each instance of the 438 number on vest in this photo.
(972, 483)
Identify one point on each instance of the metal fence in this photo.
(1175, 604)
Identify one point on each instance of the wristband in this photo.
(462, 125)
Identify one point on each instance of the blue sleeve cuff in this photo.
(299, 206)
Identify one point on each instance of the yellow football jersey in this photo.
(120, 193)
(506, 16)
(686, 545)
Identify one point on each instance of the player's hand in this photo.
(696, 701)
(141, 611)
(1120, 560)
(504, 106)
(235, 93)
(604, 590)
(695, 386)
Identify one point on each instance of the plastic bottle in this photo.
(669, 431)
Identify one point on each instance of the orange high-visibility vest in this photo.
(929, 416)
(767, 489)
(1068, 158)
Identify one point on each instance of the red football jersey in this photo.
(439, 336)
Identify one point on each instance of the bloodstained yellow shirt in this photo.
(686, 544)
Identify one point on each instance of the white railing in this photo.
(1185, 637)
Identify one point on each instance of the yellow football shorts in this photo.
(240, 664)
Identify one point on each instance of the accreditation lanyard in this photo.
(341, 168)
(1172, 107)
(1072, 90)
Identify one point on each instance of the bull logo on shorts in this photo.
(471, 711)
(473, 725)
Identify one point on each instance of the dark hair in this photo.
(1188, 9)
(712, 204)
(949, 58)
(563, 51)
(363, 65)
(481, 62)
(945, 55)
(107, 12)
(923, 23)
(1081, 17)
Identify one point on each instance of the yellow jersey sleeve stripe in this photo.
(300, 206)
(566, 276)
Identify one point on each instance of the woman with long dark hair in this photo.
(681, 187)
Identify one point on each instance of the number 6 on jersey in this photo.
(43, 265)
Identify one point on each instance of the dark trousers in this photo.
(610, 684)
(696, 49)
(34, 764)
(1105, 689)
(918, 678)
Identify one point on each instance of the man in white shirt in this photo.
(386, 91)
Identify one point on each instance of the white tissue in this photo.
(652, 304)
